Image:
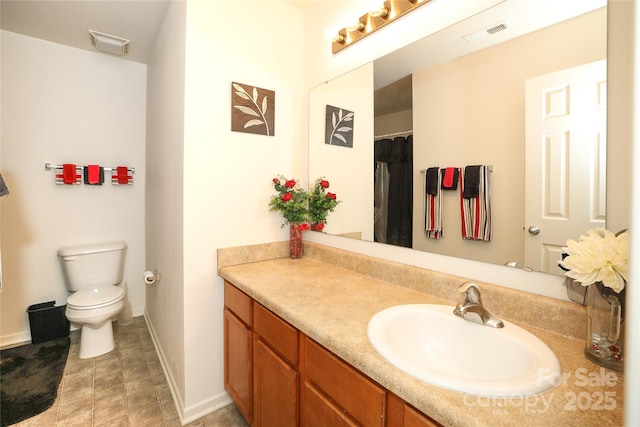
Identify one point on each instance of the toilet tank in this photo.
(88, 266)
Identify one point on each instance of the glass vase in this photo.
(295, 241)
(605, 326)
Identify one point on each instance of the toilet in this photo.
(92, 273)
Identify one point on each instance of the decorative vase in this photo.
(605, 326)
(295, 241)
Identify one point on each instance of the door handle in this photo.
(534, 230)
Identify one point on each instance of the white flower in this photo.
(600, 256)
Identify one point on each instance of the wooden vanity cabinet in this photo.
(279, 377)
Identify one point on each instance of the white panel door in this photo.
(566, 158)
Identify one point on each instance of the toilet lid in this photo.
(95, 297)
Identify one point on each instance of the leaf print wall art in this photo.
(253, 109)
(339, 127)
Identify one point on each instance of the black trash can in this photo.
(47, 322)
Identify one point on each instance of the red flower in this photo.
(332, 196)
(324, 183)
(276, 180)
(290, 183)
(303, 227)
(319, 226)
(286, 197)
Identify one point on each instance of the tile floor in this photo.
(123, 388)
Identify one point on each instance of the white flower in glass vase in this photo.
(598, 256)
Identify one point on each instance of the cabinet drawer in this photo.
(358, 395)
(281, 336)
(238, 302)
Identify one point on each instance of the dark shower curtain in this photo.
(397, 156)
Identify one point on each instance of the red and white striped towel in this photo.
(68, 174)
(476, 211)
(433, 207)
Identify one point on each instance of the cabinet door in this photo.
(276, 393)
(400, 414)
(413, 418)
(320, 412)
(237, 363)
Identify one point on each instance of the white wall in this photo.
(66, 105)
(228, 175)
(165, 307)
(348, 170)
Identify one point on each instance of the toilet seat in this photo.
(97, 297)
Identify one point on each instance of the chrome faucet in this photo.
(470, 307)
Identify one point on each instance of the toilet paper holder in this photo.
(150, 277)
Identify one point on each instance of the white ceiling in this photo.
(68, 21)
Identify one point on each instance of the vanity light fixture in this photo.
(383, 12)
(339, 38)
(108, 43)
(358, 26)
(389, 11)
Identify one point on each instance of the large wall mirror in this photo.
(464, 96)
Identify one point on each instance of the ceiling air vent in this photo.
(108, 43)
(486, 32)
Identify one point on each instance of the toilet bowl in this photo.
(93, 310)
(93, 274)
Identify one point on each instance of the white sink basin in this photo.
(430, 343)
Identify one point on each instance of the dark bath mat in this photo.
(29, 378)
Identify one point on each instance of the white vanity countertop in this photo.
(333, 305)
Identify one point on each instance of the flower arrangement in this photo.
(321, 202)
(598, 256)
(291, 201)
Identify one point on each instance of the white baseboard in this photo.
(175, 394)
(14, 340)
(192, 412)
(205, 407)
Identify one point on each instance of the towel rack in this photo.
(49, 166)
(120, 175)
(488, 166)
